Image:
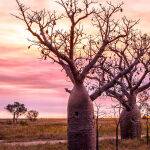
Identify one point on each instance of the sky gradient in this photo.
(38, 83)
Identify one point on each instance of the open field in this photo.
(55, 129)
(41, 129)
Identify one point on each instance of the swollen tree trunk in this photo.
(81, 126)
(130, 123)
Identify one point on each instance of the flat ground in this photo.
(55, 129)
(104, 145)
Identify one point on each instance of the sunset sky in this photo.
(35, 82)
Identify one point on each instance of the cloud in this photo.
(40, 84)
(31, 74)
(34, 80)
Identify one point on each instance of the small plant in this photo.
(23, 123)
(32, 115)
(9, 122)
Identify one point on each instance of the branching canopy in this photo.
(76, 49)
(134, 50)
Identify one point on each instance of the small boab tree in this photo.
(144, 105)
(16, 109)
(99, 113)
(131, 84)
(116, 111)
(76, 49)
(32, 115)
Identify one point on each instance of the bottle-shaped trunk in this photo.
(81, 124)
(130, 123)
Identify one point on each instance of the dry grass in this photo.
(42, 129)
(37, 147)
(49, 129)
(124, 145)
(107, 127)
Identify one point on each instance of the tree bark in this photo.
(14, 117)
(97, 132)
(117, 135)
(130, 123)
(81, 124)
(147, 127)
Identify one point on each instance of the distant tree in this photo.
(99, 113)
(16, 109)
(147, 122)
(117, 109)
(97, 124)
(32, 115)
(144, 106)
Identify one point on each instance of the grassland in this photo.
(55, 129)
(42, 129)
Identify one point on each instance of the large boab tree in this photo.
(77, 51)
(131, 84)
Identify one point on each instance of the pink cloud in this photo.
(32, 82)
(40, 80)
(10, 63)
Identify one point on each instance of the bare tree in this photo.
(145, 108)
(147, 123)
(117, 109)
(17, 109)
(97, 125)
(99, 113)
(77, 52)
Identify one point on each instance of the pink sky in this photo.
(24, 77)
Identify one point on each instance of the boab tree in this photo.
(131, 84)
(76, 51)
(17, 109)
